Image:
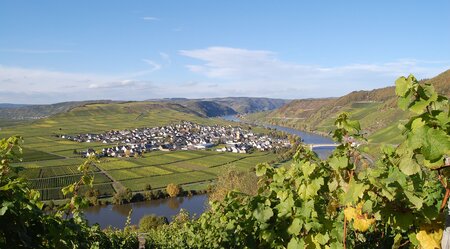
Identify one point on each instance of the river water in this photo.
(116, 215)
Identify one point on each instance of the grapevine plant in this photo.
(24, 224)
(345, 201)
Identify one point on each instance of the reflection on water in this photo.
(116, 215)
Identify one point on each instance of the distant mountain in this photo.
(250, 105)
(28, 112)
(203, 107)
(376, 110)
(230, 105)
(209, 108)
(9, 105)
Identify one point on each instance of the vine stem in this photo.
(345, 232)
(444, 202)
(447, 191)
(444, 184)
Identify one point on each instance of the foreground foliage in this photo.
(344, 201)
(26, 225)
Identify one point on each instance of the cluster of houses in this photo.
(182, 136)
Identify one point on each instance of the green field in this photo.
(50, 163)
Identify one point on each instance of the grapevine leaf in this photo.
(322, 239)
(295, 227)
(403, 103)
(367, 207)
(397, 241)
(261, 169)
(401, 86)
(68, 189)
(295, 243)
(3, 210)
(437, 144)
(416, 201)
(419, 105)
(313, 188)
(308, 168)
(332, 186)
(408, 166)
(355, 191)
(338, 162)
(262, 213)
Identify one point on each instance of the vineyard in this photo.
(191, 168)
(50, 188)
(105, 190)
(62, 181)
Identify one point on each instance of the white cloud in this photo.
(150, 18)
(154, 66)
(219, 72)
(259, 72)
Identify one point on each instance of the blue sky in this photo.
(53, 51)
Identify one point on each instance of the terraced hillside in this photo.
(231, 105)
(49, 162)
(376, 110)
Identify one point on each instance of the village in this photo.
(183, 136)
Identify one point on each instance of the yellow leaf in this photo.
(363, 224)
(350, 213)
(429, 238)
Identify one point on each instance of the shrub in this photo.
(173, 189)
(234, 180)
(148, 195)
(123, 196)
(149, 222)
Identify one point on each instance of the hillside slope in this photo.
(230, 105)
(376, 110)
(204, 107)
(41, 135)
(209, 108)
(251, 105)
(24, 112)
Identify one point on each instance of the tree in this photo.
(173, 190)
(123, 196)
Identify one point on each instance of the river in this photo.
(116, 215)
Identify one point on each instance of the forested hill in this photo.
(27, 112)
(203, 107)
(230, 105)
(375, 109)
